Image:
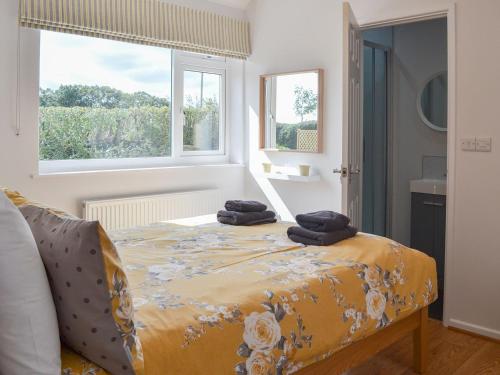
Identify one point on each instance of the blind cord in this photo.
(18, 83)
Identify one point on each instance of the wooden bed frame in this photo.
(363, 350)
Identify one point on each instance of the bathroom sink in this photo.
(428, 186)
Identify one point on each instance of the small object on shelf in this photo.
(267, 167)
(304, 169)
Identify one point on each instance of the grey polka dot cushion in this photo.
(89, 288)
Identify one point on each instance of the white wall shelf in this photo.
(291, 177)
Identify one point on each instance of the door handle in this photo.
(342, 171)
(436, 204)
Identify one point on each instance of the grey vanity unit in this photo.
(428, 228)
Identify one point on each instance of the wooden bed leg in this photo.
(421, 342)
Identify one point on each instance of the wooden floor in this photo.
(451, 353)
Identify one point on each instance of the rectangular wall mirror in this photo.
(291, 114)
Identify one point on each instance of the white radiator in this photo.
(130, 212)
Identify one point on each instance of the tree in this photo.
(97, 97)
(48, 98)
(306, 102)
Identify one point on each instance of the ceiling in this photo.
(239, 4)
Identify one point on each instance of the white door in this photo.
(352, 118)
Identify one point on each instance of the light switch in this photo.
(468, 144)
(483, 144)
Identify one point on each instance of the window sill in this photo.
(43, 172)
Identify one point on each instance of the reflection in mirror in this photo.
(291, 118)
(433, 102)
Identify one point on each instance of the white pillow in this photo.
(29, 336)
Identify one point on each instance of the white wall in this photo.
(419, 51)
(289, 36)
(18, 154)
(474, 249)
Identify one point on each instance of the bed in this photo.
(217, 299)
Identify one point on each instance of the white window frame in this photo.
(180, 60)
(184, 61)
(270, 126)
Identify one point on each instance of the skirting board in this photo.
(480, 330)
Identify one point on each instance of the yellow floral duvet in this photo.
(217, 299)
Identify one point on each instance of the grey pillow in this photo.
(29, 339)
(89, 288)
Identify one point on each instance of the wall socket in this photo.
(483, 144)
(468, 144)
(479, 144)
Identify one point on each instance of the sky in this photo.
(73, 59)
(285, 97)
(195, 81)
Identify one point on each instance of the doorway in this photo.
(405, 138)
(376, 94)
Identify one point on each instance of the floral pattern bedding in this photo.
(216, 299)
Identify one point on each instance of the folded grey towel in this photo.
(246, 218)
(322, 221)
(245, 206)
(309, 237)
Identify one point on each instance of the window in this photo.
(102, 99)
(292, 120)
(201, 111)
(106, 104)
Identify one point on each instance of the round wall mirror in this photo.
(432, 102)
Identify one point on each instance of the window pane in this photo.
(297, 112)
(201, 111)
(103, 99)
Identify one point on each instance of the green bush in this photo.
(286, 134)
(101, 133)
(100, 122)
(206, 116)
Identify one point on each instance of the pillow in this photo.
(29, 338)
(19, 200)
(90, 289)
(14, 196)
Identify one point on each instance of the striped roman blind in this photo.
(151, 22)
